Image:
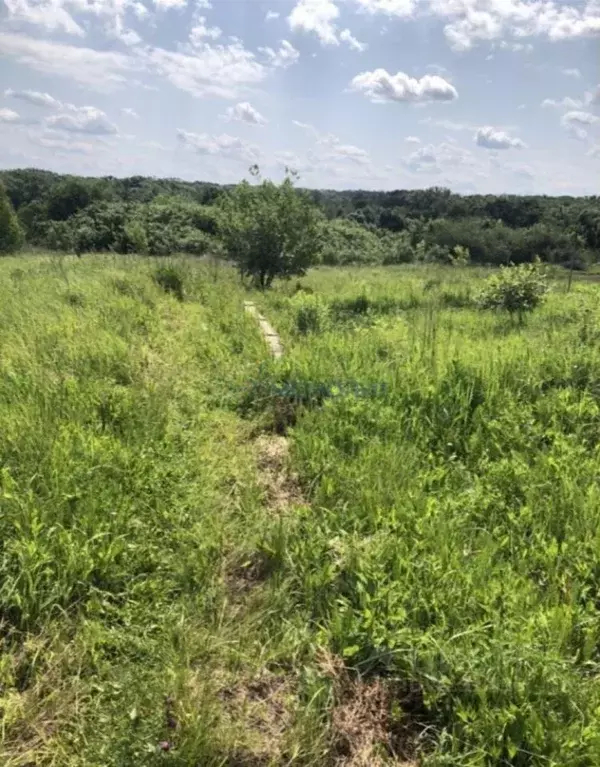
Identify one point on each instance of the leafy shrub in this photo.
(515, 289)
(11, 234)
(398, 249)
(310, 313)
(137, 236)
(348, 242)
(170, 279)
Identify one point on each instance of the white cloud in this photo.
(284, 57)
(572, 73)
(436, 158)
(380, 86)
(49, 14)
(471, 21)
(130, 112)
(96, 69)
(270, 15)
(200, 32)
(329, 151)
(594, 151)
(400, 8)
(412, 140)
(166, 5)
(564, 103)
(576, 122)
(492, 138)
(223, 145)
(8, 116)
(220, 70)
(83, 120)
(347, 37)
(35, 97)
(245, 112)
(316, 16)
(319, 18)
(53, 140)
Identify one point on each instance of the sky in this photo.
(481, 96)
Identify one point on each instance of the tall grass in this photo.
(128, 493)
(455, 512)
(448, 546)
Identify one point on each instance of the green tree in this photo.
(11, 234)
(270, 230)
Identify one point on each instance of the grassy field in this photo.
(415, 583)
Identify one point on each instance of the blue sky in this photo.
(477, 95)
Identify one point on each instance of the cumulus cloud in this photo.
(399, 8)
(8, 116)
(200, 32)
(245, 112)
(564, 103)
(492, 138)
(576, 122)
(270, 15)
(166, 5)
(574, 72)
(209, 70)
(223, 145)
(52, 16)
(412, 140)
(434, 159)
(380, 85)
(130, 112)
(473, 21)
(317, 17)
(34, 97)
(285, 56)
(347, 37)
(83, 120)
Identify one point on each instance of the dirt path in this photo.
(269, 333)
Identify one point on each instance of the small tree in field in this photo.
(515, 289)
(11, 234)
(270, 230)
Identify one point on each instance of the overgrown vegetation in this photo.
(380, 549)
(166, 216)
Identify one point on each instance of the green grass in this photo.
(128, 498)
(448, 549)
(455, 525)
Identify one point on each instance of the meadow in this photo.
(414, 583)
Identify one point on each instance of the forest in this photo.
(164, 216)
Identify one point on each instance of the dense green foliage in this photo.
(269, 230)
(11, 236)
(516, 290)
(164, 216)
(451, 547)
(164, 604)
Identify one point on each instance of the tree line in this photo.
(163, 216)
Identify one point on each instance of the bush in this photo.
(515, 289)
(310, 313)
(11, 234)
(136, 234)
(348, 242)
(170, 279)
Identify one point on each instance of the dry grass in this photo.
(370, 719)
(280, 486)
